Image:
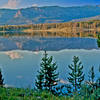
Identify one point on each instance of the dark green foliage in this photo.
(96, 94)
(1, 79)
(76, 76)
(93, 88)
(98, 41)
(47, 77)
(91, 74)
(94, 84)
(85, 91)
(89, 93)
(98, 80)
(39, 81)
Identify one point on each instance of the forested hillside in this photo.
(47, 14)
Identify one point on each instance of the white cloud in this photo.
(34, 5)
(11, 4)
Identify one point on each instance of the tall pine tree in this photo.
(47, 77)
(91, 74)
(76, 76)
(98, 41)
(39, 81)
(98, 80)
(1, 79)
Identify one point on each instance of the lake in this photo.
(21, 70)
(20, 57)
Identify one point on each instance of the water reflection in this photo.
(49, 44)
(66, 33)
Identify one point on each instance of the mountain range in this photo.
(47, 14)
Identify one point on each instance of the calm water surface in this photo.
(20, 67)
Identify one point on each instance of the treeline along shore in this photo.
(89, 28)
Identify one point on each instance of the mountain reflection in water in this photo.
(49, 44)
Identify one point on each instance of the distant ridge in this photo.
(87, 19)
(47, 14)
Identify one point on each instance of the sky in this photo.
(13, 4)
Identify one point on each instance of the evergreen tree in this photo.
(47, 77)
(39, 81)
(1, 79)
(98, 41)
(91, 75)
(76, 76)
(98, 80)
(51, 77)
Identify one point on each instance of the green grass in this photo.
(27, 94)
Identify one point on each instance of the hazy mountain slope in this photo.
(47, 14)
(87, 19)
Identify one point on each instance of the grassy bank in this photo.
(27, 94)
